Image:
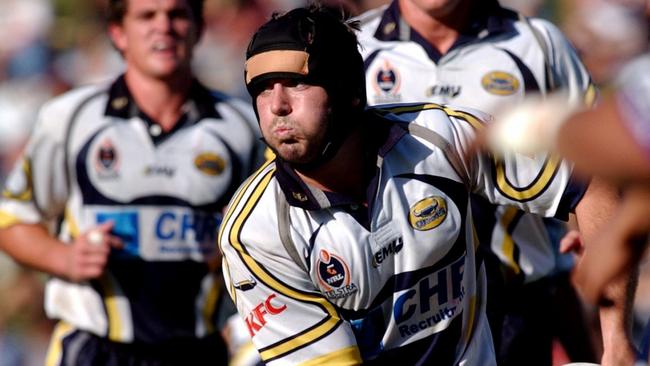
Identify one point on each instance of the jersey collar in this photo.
(393, 27)
(200, 103)
(380, 139)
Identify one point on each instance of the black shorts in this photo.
(80, 348)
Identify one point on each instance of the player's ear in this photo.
(117, 36)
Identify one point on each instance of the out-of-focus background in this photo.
(50, 46)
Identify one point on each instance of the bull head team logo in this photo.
(500, 83)
(428, 213)
(210, 163)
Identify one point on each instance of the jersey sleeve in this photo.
(541, 184)
(36, 189)
(568, 71)
(289, 321)
(632, 99)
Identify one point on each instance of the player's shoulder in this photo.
(249, 195)
(370, 19)
(252, 209)
(237, 122)
(530, 25)
(231, 107)
(432, 115)
(57, 113)
(73, 98)
(368, 23)
(222, 98)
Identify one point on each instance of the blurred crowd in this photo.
(50, 46)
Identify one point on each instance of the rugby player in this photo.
(356, 243)
(478, 54)
(611, 141)
(132, 175)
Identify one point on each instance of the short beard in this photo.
(316, 155)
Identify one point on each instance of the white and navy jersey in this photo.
(95, 157)
(494, 63)
(633, 96)
(397, 281)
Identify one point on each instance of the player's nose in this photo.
(280, 103)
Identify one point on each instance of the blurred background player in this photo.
(610, 141)
(132, 175)
(479, 54)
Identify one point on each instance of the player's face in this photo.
(156, 37)
(435, 8)
(293, 119)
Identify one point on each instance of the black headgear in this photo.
(311, 44)
(317, 47)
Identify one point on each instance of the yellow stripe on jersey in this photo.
(470, 319)
(210, 305)
(465, 116)
(233, 203)
(7, 220)
(27, 193)
(55, 349)
(409, 108)
(343, 357)
(476, 123)
(73, 228)
(268, 154)
(591, 95)
(232, 292)
(243, 355)
(539, 184)
(508, 244)
(475, 238)
(310, 335)
(238, 196)
(109, 286)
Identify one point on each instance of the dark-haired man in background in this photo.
(133, 176)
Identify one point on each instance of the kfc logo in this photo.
(257, 318)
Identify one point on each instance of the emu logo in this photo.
(391, 248)
(450, 91)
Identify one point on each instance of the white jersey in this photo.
(322, 279)
(94, 157)
(495, 64)
(633, 95)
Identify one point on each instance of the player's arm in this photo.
(288, 319)
(33, 246)
(569, 73)
(34, 195)
(599, 143)
(594, 213)
(530, 129)
(619, 246)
